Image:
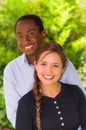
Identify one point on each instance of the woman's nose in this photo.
(48, 69)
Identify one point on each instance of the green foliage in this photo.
(82, 69)
(64, 21)
(75, 51)
(82, 73)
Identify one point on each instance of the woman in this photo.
(51, 105)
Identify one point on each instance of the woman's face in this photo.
(49, 67)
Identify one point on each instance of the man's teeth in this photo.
(28, 47)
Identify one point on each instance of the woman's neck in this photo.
(51, 91)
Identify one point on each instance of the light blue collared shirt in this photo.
(19, 79)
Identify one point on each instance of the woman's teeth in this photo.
(48, 77)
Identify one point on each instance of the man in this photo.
(19, 73)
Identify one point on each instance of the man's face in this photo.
(28, 36)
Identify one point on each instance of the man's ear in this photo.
(44, 33)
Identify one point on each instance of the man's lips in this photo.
(28, 47)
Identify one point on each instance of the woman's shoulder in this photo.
(28, 97)
(72, 88)
(26, 104)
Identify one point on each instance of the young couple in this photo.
(44, 103)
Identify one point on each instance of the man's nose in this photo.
(26, 39)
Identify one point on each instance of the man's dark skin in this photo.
(29, 38)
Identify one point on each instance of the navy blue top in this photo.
(67, 111)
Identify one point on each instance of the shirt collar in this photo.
(25, 60)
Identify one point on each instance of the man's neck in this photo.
(30, 59)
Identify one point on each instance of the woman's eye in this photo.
(43, 64)
(56, 66)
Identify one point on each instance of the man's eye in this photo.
(31, 33)
(19, 37)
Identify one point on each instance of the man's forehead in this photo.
(26, 21)
(26, 26)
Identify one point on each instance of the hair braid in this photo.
(38, 96)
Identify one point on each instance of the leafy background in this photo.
(65, 22)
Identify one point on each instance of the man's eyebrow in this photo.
(26, 31)
(30, 30)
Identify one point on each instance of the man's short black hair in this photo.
(37, 20)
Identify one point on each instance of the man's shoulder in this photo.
(69, 64)
(17, 60)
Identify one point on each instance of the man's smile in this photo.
(28, 47)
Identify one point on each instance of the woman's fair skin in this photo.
(49, 70)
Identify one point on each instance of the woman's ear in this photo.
(35, 64)
(63, 70)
